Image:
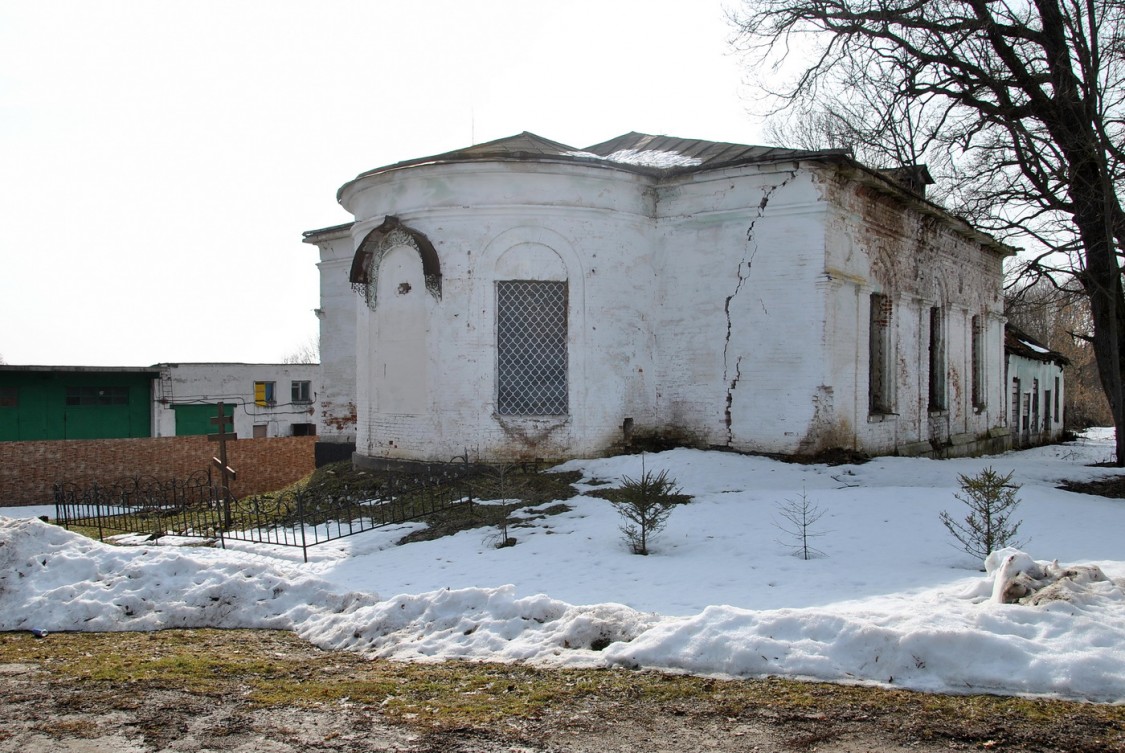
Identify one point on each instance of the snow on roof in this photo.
(653, 158)
(1019, 343)
(643, 158)
(1034, 346)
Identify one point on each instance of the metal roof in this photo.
(701, 154)
(1019, 343)
(625, 152)
(312, 236)
(153, 370)
(667, 156)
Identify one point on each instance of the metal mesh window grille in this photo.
(531, 357)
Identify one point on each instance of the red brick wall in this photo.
(28, 470)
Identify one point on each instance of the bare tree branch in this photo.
(1017, 106)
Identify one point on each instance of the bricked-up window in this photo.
(1015, 403)
(879, 388)
(1035, 405)
(301, 391)
(978, 363)
(264, 393)
(1056, 399)
(9, 397)
(97, 395)
(937, 360)
(531, 354)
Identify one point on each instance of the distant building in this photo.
(75, 402)
(266, 399)
(526, 299)
(1036, 384)
(102, 402)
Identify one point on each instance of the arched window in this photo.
(532, 331)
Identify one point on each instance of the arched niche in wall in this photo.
(399, 354)
(368, 259)
(884, 269)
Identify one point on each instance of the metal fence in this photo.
(199, 508)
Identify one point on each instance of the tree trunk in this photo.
(1102, 282)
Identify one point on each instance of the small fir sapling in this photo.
(798, 516)
(991, 499)
(645, 504)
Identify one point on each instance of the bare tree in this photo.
(880, 130)
(308, 352)
(798, 522)
(1026, 96)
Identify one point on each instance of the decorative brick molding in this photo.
(28, 470)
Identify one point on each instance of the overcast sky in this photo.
(159, 160)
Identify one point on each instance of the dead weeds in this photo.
(115, 672)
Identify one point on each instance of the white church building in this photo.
(525, 299)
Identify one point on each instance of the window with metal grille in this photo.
(531, 356)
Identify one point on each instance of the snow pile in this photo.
(480, 623)
(891, 602)
(933, 640)
(53, 579)
(1018, 579)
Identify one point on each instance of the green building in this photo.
(75, 402)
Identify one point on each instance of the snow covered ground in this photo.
(891, 601)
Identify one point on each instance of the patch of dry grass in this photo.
(276, 669)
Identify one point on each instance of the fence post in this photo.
(301, 522)
(60, 515)
(468, 482)
(98, 502)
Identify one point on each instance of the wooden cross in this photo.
(228, 474)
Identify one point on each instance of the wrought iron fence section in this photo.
(198, 508)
